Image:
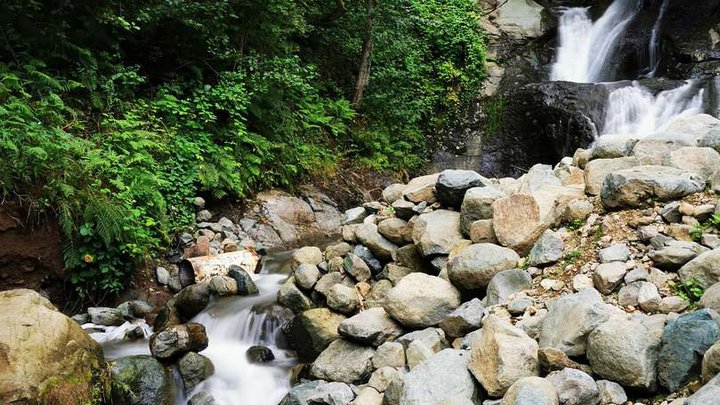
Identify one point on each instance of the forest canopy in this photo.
(114, 114)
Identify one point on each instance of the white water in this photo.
(654, 47)
(635, 110)
(586, 48)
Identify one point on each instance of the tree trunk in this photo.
(364, 72)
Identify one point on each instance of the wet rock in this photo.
(517, 222)
(420, 300)
(477, 205)
(705, 268)
(476, 265)
(105, 316)
(191, 300)
(507, 283)
(435, 233)
(177, 340)
(202, 398)
(684, 341)
(259, 354)
(369, 236)
(372, 326)
(343, 299)
(501, 355)
(574, 387)
(443, 378)
(547, 250)
(624, 351)
(571, 319)
(137, 309)
(389, 354)
(291, 297)
(223, 285)
(313, 330)
(144, 380)
(531, 390)
(343, 361)
(633, 187)
(452, 185)
(194, 368)
(463, 320)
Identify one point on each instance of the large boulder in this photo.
(517, 222)
(368, 235)
(312, 331)
(477, 205)
(421, 189)
(571, 319)
(702, 161)
(194, 368)
(597, 170)
(44, 355)
(547, 250)
(443, 378)
(372, 326)
(705, 269)
(452, 185)
(501, 355)
(507, 283)
(624, 351)
(465, 319)
(477, 264)
(435, 233)
(634, 187)
(141, 380)
(684, 341)
(178, 340)
(344, 361)
(420, 300)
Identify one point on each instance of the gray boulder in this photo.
(618, 252)
(144, 380)
(442, 379)
(301, 393)
(356, 267)
(547, 250)
(105, 316)
(177, 340)
(343, 299)
(435, 233)
(312, 331)
(194, 368)
(705, 268)
(332, 393)
(291, 297)
(607, 276)
(477, 205)
(393, 229)
(245, 283)
(711, 298)
(531, 391)
(634, 187)
(372, 326)
(465, 319)
(674, 254)
(306, 275)
(506, 283)
(611, 392)
(476, 265)
(368, 235)
(574, 387)
(452, 185)
(343, 361)
(420, 300)
(708, 394)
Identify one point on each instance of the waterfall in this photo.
(586, 48)
(654, 47)
(635, 110)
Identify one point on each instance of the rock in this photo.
(354, 216)
(673, 304)
(328, 280)
(369, 236)
(203, 216)
(517, 222)
(144, 380)
(476, 265)
(223, 285)
(465, 319)
(337, 250)
(421, 189)
(433, 338)
(581, 281)
(301, 393)
(441, 379)
(437, 232)
(597, 170)
(306, 255)
(393, 229)
(367, 256)
(634, 187)
(607, 276)
(519, 305)
(615, 253)
(531, 391)
(343, 299)
(628, 295)
(708, 394)
(452, 185)
(554, 360)
(378, 294)
(343, 361)
(420, 300)
(194, 368)
(711, 362)
(177, 340)
(162, 275)
(675, 254)
(395, 273)
(404, 209)
(613, 146)
(105, 316)
(393, 192)
(382, 377)
(356, 267)
(501, 355)
(547, 250)
(306, 275)
(702, 161)
(684, 341)
(624, 351)
(481, 231)
(574, 387)
(372, 326)
(506, 283)
(294, 299)
(389, 354)
(368, 396)
(711, 298)
(191, 300)
(313, 330)
(259, 354)
(43, 352)
(477, 205)
(332, 393)
(571, 319)
(202, 398)
(705, 268)
(649, 298)
(611, 392)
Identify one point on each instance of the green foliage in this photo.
(115, 115)
(494, 110)
(713, 223)
(574, 225)
(572, 257)
(690, 290)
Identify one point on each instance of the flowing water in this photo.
(233, 325)
(585, 54)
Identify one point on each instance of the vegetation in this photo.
(690, 290)
(713, 223)
(115, 114)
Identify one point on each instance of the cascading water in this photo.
(585, 48)
(654, 48)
